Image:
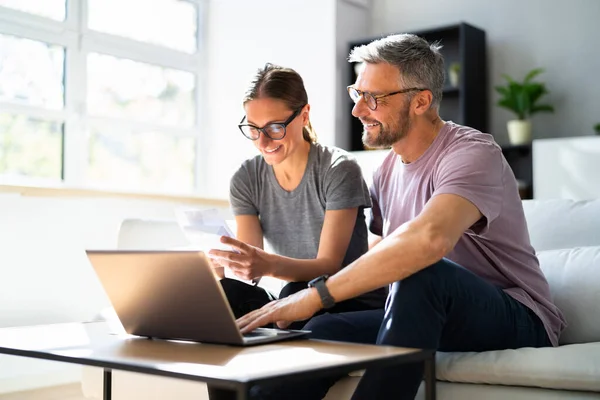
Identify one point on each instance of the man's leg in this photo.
(358, 327)
(448, 308)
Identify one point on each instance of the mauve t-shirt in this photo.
(468, 163)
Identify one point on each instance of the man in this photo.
(454, 245)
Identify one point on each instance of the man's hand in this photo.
(247, 262)
(298, 307)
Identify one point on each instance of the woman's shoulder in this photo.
(252, 167)
(332, 155)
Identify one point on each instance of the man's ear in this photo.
(422, 102)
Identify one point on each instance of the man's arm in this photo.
(374, 241)
(412, 247)
(409, 249)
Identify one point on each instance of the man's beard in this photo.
(387, 137)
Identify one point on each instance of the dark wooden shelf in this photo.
(451, 91)
(521, 148)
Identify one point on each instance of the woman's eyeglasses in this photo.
(274, 130)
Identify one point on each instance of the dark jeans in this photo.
(443, 307)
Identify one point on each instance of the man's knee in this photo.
(325, 326)
(429, 281)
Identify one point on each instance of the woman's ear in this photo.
(306, 115)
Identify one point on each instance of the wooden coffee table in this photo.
(227, 368)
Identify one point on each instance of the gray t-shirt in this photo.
(292, 220)
(468, 163)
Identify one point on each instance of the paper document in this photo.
(204, 228)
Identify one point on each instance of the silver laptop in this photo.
(173, 295)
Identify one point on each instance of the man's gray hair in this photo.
(421, 64)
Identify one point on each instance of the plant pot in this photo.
(519, 131)
(453, 77)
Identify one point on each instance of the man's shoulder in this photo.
(462, 139)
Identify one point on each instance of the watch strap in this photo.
(319, 283)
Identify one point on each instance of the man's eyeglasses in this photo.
(274, 131)
(371, 99)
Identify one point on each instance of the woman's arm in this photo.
(336, 233)
(250, 262)
(249, 230)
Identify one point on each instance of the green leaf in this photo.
(508, 78)
(542, 108)
(502, 90)
(522, 97)
(532, 74)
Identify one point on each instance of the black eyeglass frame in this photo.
(262, 130)
(377, 96)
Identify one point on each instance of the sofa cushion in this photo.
(574, 278)
(562, 223)
(570, 367)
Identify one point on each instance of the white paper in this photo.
(204, 228)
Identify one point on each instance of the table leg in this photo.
(430, 378)
(226, 394)
(107, 389)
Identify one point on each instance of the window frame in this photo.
(78, 42)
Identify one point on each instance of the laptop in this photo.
(173, 295)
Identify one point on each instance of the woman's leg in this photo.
(244, 298)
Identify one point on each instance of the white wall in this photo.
(558, 35)
(302, 34)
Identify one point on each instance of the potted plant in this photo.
(597, 128)
(521, 98)
(454, 74)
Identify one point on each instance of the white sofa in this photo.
(566, 235)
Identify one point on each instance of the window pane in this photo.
(31, 72)
(170, 23)
(119, 87)
(30, 147)
(148, 161)
(54, 9)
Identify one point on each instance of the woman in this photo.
(304, 199)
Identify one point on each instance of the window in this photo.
(100, 93)
(54, 9)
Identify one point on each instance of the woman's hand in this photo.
(245, 261)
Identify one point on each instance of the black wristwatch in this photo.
(319, 284)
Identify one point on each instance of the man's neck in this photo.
(419, 137)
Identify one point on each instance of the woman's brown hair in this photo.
(285, 84)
